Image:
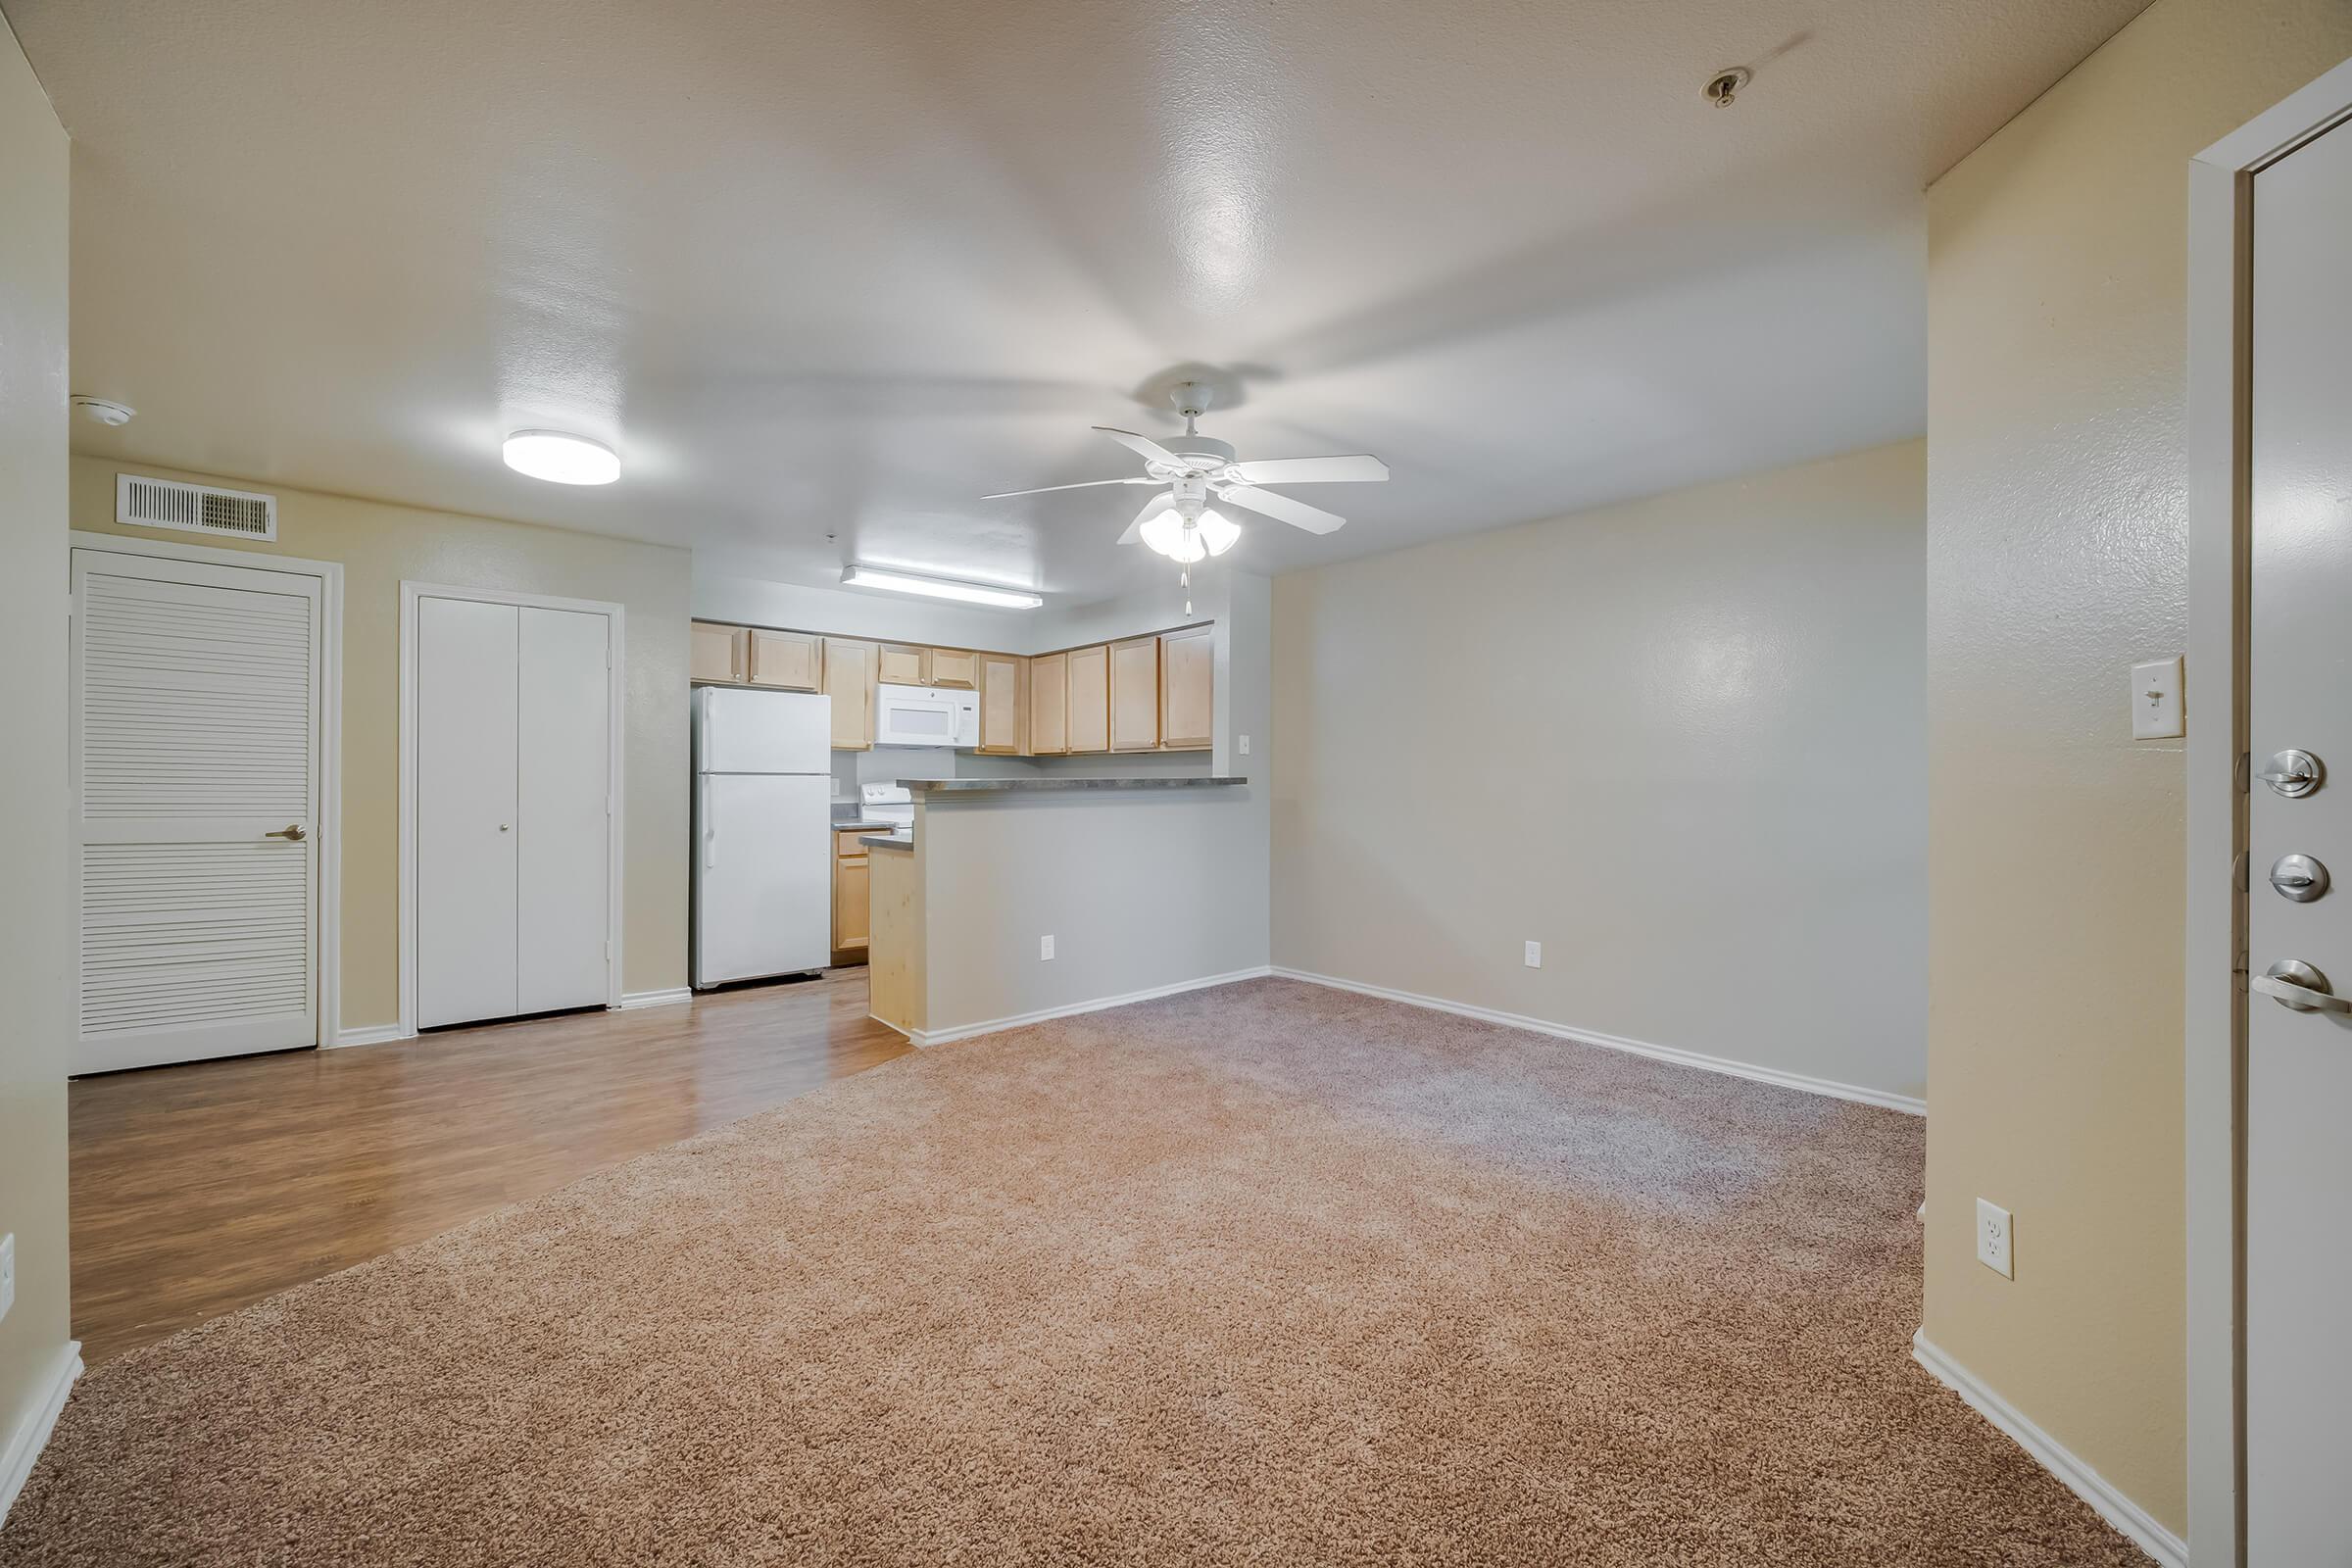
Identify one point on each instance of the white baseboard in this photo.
(631, 1001)
(373, 1033)
(1910, 1105)
(940, 1037)
(2079, 1478)
(25, 1445)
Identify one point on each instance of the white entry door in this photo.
(513, 890)
(2298, 1132)
(194, 766)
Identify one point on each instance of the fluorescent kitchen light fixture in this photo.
(970, 593)
(562, 459)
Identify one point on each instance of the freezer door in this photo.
(761, 732)
(762, 875)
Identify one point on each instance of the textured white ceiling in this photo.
(841, 266)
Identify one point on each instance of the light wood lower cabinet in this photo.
(850, 682)
(717, 651)
(1002, 678)
(1088, 717)
(1049, 704)
(958, 668)
(1135, 695)
(853, 908)
(789, 661)
(1188, 719)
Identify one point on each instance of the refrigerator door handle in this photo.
(709, 827)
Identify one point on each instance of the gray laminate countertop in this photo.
(925, 788)
(887, 841)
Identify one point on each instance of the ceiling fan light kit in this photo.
(1198, 469)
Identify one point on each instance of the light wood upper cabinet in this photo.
(1049, 704)
(850, 681)
(1089, 718)
(1188, 718)
(789, 661)
(904, 666)
(717, 651)
(1001, 677)
(959, 668)
(1135, 695)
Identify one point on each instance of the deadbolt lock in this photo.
(2298, 877)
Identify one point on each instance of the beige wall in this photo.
(2056, 558)
(1139, 890)
(380, 546)
(1678, 741)
(34, 958)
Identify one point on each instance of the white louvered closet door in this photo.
(194, 765)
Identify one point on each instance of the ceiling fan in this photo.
(1195, 469)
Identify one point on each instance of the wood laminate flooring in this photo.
(200, 1188)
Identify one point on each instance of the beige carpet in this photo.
(1268, 1274)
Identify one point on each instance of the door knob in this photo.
(2299, 877)
(2297, 985)
(292, 833)
(2293, 775)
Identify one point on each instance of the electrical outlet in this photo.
(1244, 741)
(8, 1272)
(1992, 1239)
(1534, 954)
(1045, 948)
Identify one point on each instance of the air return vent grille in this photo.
(144, 503)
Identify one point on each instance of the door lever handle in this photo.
(292, 833)
(2303, 998)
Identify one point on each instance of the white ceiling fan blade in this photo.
(1361, 469)
(1083, 484)
(1297, 514)
(1144, 446)
(1152, 508)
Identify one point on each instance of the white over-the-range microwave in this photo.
(926, 716)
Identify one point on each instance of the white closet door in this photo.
(193, 762)
(468, 729)
(563, 902)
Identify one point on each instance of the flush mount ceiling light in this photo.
(562, 459)
(970, 593)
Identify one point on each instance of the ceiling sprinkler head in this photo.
(1724, 86)
(104, 410)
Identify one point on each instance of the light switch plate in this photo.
(8, 1272)
(1244, 739)
(2156, 701)
(1534, 954)
(1045, 948)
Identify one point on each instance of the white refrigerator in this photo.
(763, 834)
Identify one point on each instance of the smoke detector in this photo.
(104, 410)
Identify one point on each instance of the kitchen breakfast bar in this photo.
(1023, 899)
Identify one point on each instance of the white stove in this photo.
(893, 803)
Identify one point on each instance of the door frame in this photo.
(2221, 233)
(328, 924)
(617, 622)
